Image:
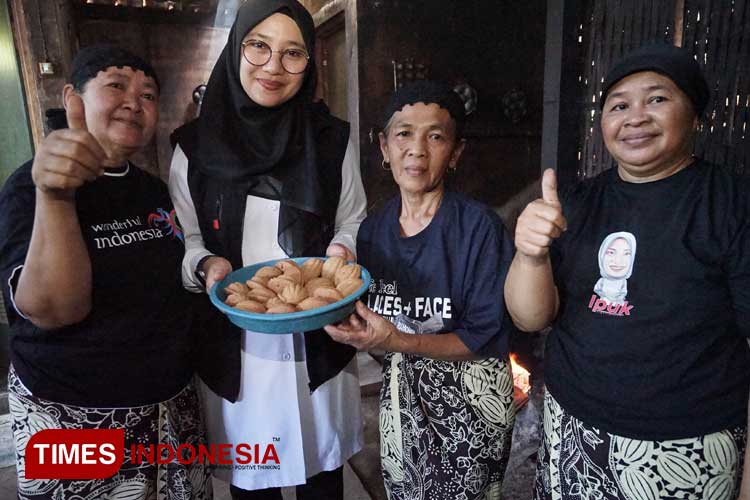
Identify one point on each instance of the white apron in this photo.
(310, 433)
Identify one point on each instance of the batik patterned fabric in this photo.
(581, 462)
(445, 427)
(173, 422)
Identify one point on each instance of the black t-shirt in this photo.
(133, 348)
(447, 278)
(654, 284)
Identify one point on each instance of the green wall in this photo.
(15, 138)
(15, 146)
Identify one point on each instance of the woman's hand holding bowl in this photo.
(216, 268)
(364, 330)
(337, 249)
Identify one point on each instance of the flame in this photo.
(520, 375)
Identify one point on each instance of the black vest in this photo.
(220, 207)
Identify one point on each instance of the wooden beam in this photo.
(679, 21)
(352, 68)
(22, 39)
(329, 10)
(560, 122)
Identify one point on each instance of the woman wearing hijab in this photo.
(82, 230)
(439, 260)
(264, 173)
(646, 400)
(616, 259)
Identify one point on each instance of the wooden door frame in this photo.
(349, 10)
(331, 26)
(22, 41)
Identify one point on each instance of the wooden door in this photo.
(330, 52)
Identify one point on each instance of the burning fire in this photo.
(520, 375)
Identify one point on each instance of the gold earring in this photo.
(385, 165)
(452, 169)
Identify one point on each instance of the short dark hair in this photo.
(427, 92)
(91, 60)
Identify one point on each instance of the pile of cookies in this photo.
(288, 287)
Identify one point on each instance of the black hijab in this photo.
(292, 153)
(272, 151)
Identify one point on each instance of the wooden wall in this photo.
(44, 31)
(315, 5)
(720, 37)
(495, 48)
(492, 46)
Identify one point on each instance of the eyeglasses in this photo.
(258, 53)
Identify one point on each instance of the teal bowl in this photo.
(303, 321)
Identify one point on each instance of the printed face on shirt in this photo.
(647, 124)
(271, 85)
(420, 146)
(618, 258)
(121, 108)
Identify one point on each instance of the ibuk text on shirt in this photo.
(602, 306)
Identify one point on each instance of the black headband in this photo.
(91, 60)
(428, 92)
(673, 62)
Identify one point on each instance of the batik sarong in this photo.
(173, 422)
(578, 461)
(445, 427)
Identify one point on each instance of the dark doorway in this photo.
(330, 51)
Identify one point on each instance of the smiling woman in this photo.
(269, 80)
(648, 125)
(121, 109)
(658, 360)
(265, 173)
(81, 231)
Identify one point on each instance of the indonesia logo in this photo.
(167, 222)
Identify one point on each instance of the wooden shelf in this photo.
(152, 15)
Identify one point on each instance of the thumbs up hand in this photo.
(542, 221)
(549, 188)
(75, 113)
(68, 158)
